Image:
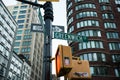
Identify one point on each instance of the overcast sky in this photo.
(59, 9)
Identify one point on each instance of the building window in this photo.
(103, 1)
(87, 23)
(14, 12)
(86, 14)
(20, 21)
(90, 44)
(2, 71)
(20, 26)
(14, 17)
(23, 7)
(16, 7)
(93, 56)
(25, 50)
(84, 6)
(69, 5)
(27, 31)
(107, 16)
(3, 61)
(117, 72)
(23, 11)
(78, 1)
(27, 36)
(16, 50)
(118, 8)
(117, 1)
(95, 33)
(113, 35)
(18, 37)
(70, 12)
(71, 29)
(21, 16)
(4, 52)
(99, 70)
(26, 43)
(17, 44)
(70, 20)
(114, 46)
(116, 57)
(110, 25)
(19, 32)
(105, 7)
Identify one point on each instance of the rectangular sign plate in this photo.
(37, 28)
(71, 37)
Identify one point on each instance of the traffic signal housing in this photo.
(63, 60)
(80, 70)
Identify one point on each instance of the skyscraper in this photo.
(28, 43)
(99, 21)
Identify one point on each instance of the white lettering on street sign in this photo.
(37, 28)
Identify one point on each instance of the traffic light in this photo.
(63, 60)
(80, 70)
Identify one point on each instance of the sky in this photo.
(59, 9)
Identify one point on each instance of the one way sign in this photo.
(56, 28)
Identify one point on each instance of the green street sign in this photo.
(72, 37)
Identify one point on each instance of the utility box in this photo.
(63, 60)
(80, 70)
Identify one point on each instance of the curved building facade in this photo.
(99, 20)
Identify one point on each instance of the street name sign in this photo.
(50, 0)
(56, 28)
(37, 28)
(72, 37)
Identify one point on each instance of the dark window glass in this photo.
(99, 70)
(23, 7)
(17, 44)
(18, 37)
(21, 16)
(20, 21)
(23, 11)
(20, 26)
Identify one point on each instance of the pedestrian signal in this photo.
(63, 60)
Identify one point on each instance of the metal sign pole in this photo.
(48, 18)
